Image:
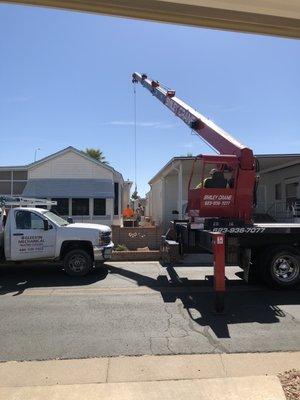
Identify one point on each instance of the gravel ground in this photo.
(290, 381)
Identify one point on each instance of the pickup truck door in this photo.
(29, 239)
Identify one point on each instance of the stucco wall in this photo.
(156, 203)
(170, 198)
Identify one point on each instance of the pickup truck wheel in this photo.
(281, 268)
(99, 264)
(78, 263)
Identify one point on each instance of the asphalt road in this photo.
(133, 309)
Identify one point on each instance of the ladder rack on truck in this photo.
(12, 201)
(220, 208)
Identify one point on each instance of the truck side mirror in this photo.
(46, 225)
(70, 220)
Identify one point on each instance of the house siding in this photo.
(69, 165)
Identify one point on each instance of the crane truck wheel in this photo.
(77, 263)
(281, 267)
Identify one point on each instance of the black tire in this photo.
(280, 267)
(99, 264)
(77, 263)
(254, 273)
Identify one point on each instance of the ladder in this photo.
(10, 201)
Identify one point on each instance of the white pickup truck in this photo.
(37, 234)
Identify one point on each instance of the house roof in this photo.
(268, 162)
(57, 154)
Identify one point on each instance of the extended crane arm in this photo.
(209, 131)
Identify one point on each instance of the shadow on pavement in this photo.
(243, 304)
(260, 305)
(18, 278)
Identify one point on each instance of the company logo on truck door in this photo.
(31, 244)
(221, 200)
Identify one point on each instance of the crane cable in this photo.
(135, 136)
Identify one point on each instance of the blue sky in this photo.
(65, 79)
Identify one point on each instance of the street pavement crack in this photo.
(215, 344)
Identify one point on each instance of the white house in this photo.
(279, 187)
(84, 188)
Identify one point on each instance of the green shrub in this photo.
(121, 247)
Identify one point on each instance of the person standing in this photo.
(139, 212)
(128, 212)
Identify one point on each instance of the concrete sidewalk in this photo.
(246, 388)
(205, 376)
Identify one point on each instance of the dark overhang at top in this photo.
(269, 17)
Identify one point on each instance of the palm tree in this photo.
(97, 154)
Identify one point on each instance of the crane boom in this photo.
(208, 130)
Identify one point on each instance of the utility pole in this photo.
(35, 153)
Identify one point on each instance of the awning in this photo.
(75, 188)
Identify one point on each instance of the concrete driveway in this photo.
(133, 309)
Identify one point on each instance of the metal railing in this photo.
(279, 210)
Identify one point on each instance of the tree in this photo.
(96, 154)
(135, 195)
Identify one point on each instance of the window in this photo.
(20, 175)
(278, 191)
(56, 218)
(99, 206)
(18, 187)
(116, 199)
(208, 175)
(80, 207)
(62, 207)
(5, 175)
(291, 190)
(28, 220)
(5, 187)
(291, 193)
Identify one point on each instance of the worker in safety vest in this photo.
(199, 186)
(215, 180)
(128, 212)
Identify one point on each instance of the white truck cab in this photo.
(39, 234)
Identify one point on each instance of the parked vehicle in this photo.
(35, 234)
(221, 201)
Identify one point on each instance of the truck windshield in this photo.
(55, 218)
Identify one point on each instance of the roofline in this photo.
(277, 155)
(65, 150)
(14, 167)
(277, 167)
(58, 153)
(174, 159)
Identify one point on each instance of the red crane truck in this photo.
(221, 199)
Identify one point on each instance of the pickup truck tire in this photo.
(77, 262)
(99, 264)
(280, 267)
